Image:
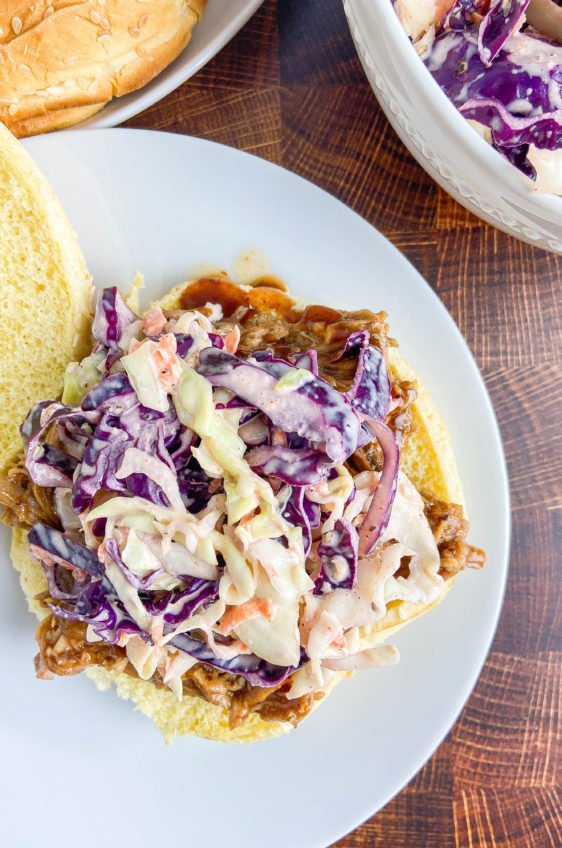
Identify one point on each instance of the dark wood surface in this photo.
(289, 88)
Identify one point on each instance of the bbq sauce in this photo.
(267, 294)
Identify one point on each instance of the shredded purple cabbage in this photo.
(299, 511)
(370, 392)
(113, 317)
(183, 604)
(184, 344)
(523, 90)
(256, 671)
(308, 360)
(506, 79)
(509, 131)
(41, 470)
(114, 395)
(458, 15)
(137, 582)
(502, 20)
(46, 543)
(338, 552)
(100, 464)
(314, 410)
(194, 485)
(98, 606)
(299, 467)
(297, 435)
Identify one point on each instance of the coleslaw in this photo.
(500, 63)
(206, 512)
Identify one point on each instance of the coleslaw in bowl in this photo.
(436, 133)
(503, 74)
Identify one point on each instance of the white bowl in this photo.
(439, 137)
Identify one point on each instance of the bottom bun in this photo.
(191, 716)
(427, 458)
(55, 119)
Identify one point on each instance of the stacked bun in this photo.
(61, 61)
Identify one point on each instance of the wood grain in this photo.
(289, 88)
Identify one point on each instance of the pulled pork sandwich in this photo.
(236, 500)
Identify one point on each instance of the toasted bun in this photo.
(45, 292)
(60, 61)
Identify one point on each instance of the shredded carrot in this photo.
(169, 368)
(320, 488)
(231, 341)
(157, 630)
(338, 641)
(250, 609)
(154, 321)
(239, 646)
(279, 438)
(245, 520)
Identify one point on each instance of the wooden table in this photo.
(290, 88)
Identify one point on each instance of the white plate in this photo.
(438, 136)
(164, 203)
(221, 21)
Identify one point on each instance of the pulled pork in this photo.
(64, 651)
(267, 318)
(449, 530)
(23, 502)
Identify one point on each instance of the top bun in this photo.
(45, 292)
(61, 61)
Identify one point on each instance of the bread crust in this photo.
(61, 61)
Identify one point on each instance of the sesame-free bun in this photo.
(61, 61)
(427, 458)
(45, 293)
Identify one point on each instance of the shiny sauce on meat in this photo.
(266, 296)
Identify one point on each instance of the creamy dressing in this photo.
(538, 57)
(548, 167)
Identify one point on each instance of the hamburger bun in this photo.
(61, 62)
(45, 292)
